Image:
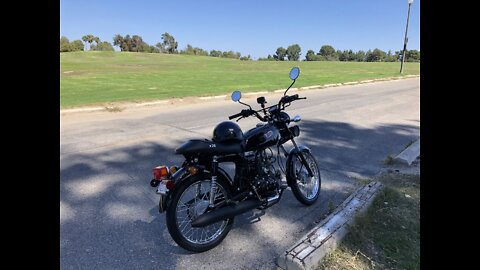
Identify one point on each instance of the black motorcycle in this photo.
(200, 198)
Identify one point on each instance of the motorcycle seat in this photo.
(209, 147)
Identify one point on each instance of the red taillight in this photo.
(160, 172)
(169, 184)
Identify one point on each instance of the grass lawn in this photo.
(97, 77)
(387, 236)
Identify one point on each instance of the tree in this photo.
(77, 45)
(160, 47)
(215, 53)
(293, 52)
(343, 56)
(87, 39)
(328, 52)
(132, 44)
(152, 49)
(102, 46)
(246, 58)
(231, 54)
(376, 55)
(390, 57)
(194, 51)
(128, 43)
(280, 54)
(90, 39)
(337, 54)
(268, 58)
(119, 41)
(412, 56)
(137, 44)
(310, 56)
(169, 43)
(350, 56)
(65, 45)
(188, 50)
(360, 56)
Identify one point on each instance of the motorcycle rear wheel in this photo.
(189, 201)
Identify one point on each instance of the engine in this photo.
(263, 173)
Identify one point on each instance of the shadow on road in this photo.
(109, 217)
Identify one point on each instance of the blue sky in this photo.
(250, 27)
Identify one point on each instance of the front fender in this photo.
(289, 166)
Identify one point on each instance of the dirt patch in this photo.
(72, 73)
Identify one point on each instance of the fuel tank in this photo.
(261, 137)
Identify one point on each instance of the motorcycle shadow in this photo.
(156, 230)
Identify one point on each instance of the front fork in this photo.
(302, 157)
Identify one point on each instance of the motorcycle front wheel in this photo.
(305, 188)
(190, 200)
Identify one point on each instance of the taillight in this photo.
(169, 184)
(160, 172)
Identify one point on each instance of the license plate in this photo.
(162, 188)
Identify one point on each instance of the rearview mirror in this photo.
(236, 95)
(294, 73)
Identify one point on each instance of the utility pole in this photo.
(406, 38)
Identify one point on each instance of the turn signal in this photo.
(160, 172)
(173, 169)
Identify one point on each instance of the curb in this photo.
(408, 155)
(309, 251)
(247, 94)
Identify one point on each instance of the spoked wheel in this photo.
(190, 201)
(305, 188)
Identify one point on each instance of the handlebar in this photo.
(249, 112)
(234, 116)
(288, 99)
(245, 113)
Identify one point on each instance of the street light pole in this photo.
(406, 38)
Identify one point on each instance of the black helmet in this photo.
(227, 131)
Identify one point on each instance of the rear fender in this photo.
(179, 177)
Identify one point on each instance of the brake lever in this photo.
(240, 118)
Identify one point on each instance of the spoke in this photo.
(204, 234)
(182, 227)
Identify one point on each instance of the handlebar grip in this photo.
(234, 116)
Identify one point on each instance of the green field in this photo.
(97, 77)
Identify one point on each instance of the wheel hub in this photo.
(199, 208)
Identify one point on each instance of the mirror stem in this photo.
(245, 104)
(288, 88)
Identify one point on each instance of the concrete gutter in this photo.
(309, 251)
(408, 155)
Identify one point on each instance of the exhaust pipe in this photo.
(225, 212)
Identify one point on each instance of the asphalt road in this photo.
(108, 211)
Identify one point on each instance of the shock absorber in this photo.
(213, 181)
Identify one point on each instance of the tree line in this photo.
(77, 45)
(328, 53)
(135, 43)
(169, 45)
